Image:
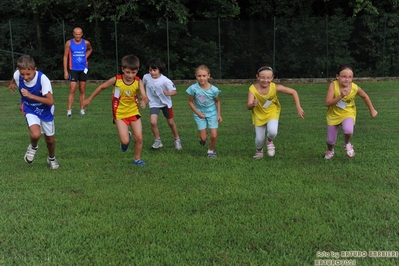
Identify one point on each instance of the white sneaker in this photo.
(178, 145)
(53, 163)
(350, 152)
(328, 155)
(258, 154)
(30, 154)
(69, 113)
(82, 112)
(157, 144)
(271, 150)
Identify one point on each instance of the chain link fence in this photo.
(232, 49)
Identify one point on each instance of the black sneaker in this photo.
(202, 142)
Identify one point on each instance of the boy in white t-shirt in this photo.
(159, 90)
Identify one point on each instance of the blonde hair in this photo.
(26, 62)
(203, 67)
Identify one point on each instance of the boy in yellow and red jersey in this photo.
(125, 104)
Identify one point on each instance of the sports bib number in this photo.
(341, 104)
(267, 104)
(117, 93)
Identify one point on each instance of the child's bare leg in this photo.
(173, 127)
(50, 141)
(214, 135)
(123, 132)
(138, 138)
(203, 134)
(35, 134)
(154, 126)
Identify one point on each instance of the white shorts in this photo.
(47, 128)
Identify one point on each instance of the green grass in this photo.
(186, 209)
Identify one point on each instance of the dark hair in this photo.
(26, 62)
(156, 63)
(130, 61)
(264, 68)
(344, 66)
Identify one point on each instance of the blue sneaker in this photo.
(125, 147)
(139, 162)
(212, 154)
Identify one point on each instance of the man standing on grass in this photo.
(76, 52)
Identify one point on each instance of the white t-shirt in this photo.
(45, 82)
(155, 88)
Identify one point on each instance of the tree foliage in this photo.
(300, 38)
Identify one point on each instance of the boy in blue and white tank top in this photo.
(37, 105)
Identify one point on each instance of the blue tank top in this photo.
(77, 55)
(29, 106)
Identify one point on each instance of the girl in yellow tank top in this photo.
(340, 101)
(265, 109)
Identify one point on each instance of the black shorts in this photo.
(167, 112)
(75, 75)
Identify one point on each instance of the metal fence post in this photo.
(167, 45)
(383, 48)
(116, 46)
(12, 46)
(220, 51)
(63, 31)
(274, 42)
(327, 46)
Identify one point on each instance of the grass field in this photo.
(186, 209)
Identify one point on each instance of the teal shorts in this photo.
(210, 121)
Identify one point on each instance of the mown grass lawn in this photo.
(187, 209)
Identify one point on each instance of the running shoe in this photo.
(211, 154)
(258, 154)
(350, 152)
(125, 147)
(328, 155)
(30, 154)
(202, 142)
(178, 145)
(271, 150)
(157, 144)
(53, 163)
(139, 162)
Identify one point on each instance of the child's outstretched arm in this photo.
(217, 102)
(170, 93)
(294, 93)
(144, 98)
(192, 106)
(252, 101)
(47, 99)
(99, 89)
(367, 101)
(12, 85)
(330, 99)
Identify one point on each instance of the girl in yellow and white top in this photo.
(265, 107)
(340, 101)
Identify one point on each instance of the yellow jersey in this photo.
(268, 107)
(345, 108)
(125, 98)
